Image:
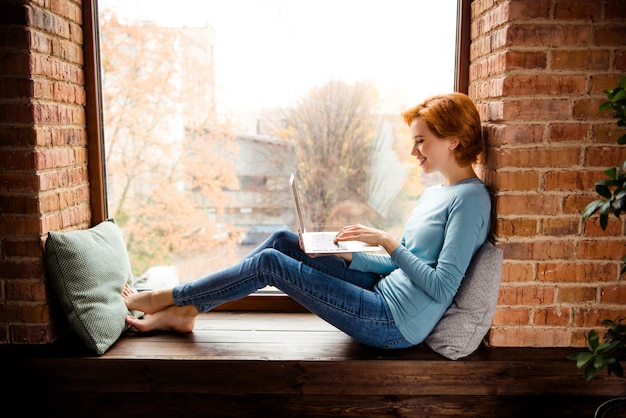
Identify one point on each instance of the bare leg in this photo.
(173, 318)
(149, 302)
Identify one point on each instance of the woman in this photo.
(391, 300)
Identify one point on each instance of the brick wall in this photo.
(538, 68)
(43, 170)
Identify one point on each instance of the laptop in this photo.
(322, 242)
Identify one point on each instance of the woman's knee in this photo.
(282, 234)
(269, 259)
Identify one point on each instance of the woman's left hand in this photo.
(368, 235)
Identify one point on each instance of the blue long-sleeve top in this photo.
(420, 278)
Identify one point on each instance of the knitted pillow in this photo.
(88, 270)
(467, 321)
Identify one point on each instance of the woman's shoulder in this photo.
(472, 193)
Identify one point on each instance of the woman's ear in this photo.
(453, 144)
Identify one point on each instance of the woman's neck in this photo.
(458, 174)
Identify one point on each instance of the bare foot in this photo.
(173, 318)
(149, 301)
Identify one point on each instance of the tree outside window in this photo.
(195, 184)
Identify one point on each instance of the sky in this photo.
(270, 52)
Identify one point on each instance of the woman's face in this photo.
(433, 153)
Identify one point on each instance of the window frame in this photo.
(95, 133)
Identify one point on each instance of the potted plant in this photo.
(606, 353)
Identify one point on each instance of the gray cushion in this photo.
(88, 269)
(467, 321)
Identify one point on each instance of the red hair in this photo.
(452, 115)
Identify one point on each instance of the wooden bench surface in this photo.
(295, 364)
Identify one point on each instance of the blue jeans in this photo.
(347, 299)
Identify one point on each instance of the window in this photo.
(209, 106)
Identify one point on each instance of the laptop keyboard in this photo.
(325, 242)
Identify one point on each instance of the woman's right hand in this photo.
(367, 235)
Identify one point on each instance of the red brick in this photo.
(562, 132)
(516, 180)
(539, 250)
(22, 290)
(615, 10)
(559, 227)
(18, 204)
(588, 109)
(18, 136)
(514, 134)
(552, 316)
(19, 225)
(526, 295)
(511, 316)
(607, 133)
(531, 336)
(610, 35)
(581, 59)
(32, 334)
(528, 9)
(17, 182)
(16, 113)
(601, 250)
(14, 63)
(537, 157)
(535, 204)
(602, 82)
(592, 227)
(578, 294)
(575, 272)
(543, 84)
(517, 227)
(578, 10)
(537, 109)
(20, 269)
(515, 272)
(26, 247)
(547, 35)
(614, 294)
(593, 317)
(619, 63)
(28, 313)
(563, 180)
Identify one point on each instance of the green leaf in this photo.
(599, 363)
(616, 369)
(582, 358)
(590, 371)
(604, 221)
(604, 214)
(620, 194)
(610, 173)
(607, 347)
(603, 190)
(618, 94)
(592, 340)
(605, 106)
(591, 208)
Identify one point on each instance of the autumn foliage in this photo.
(168, 160)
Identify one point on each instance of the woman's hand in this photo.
(368, 235)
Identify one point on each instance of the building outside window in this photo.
(210, 105)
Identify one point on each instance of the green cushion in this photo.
(88, 270)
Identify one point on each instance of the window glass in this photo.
(210, 105)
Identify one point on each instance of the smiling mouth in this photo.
(421, 160)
